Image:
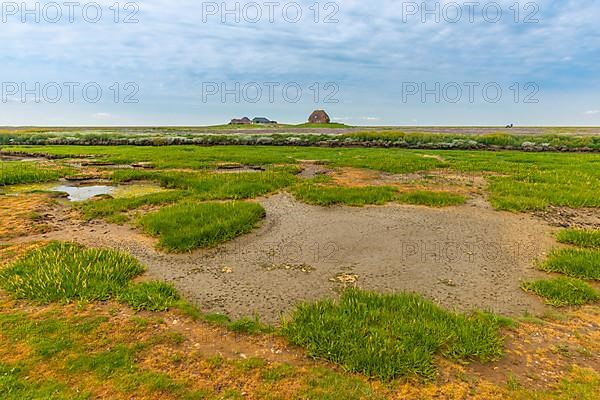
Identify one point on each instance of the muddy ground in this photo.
(462, 257)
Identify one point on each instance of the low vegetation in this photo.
(150, 296)
(113, 209)
(67, 272)
(386, 336)
(580, 238)
(14, 173)
(518, 181)
(563, 291)
(576, 263)
(351, 196)
(190, 225)
(216, 186)
(431, 199)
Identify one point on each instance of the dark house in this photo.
(262, 120)
(242, 121)
(319, 117)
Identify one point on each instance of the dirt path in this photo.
(462, 257)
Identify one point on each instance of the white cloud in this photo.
(102, 115)
(592, 112)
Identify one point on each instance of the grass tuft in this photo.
(68, 272)
(431, 199)
(562, 291)
(150, 296)
(576, 263)
(188, 226)
(581, 238)
(332, 195)
(387, 336)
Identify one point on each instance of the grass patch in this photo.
(13, 173)
(188, 226)
(68, 272)
(518, 181)
(112, 209)
(576, 263)
(354, 196)
(386, 336)
(212, 186)
(562, 291)
(16, 384)
(582, 238)
(150, 296)
(431, 199)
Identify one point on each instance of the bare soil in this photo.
(462, 257)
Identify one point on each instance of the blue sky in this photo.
(362, 66)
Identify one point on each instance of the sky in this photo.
(374, 62)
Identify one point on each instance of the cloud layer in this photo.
(369, 54)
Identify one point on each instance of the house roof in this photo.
(262, 120)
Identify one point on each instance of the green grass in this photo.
(331, 195)
(14, 173)
(518, 181)
(190, 225)
(580, 384)
(327, 195)
(580, 238)
(576, 263)
(431, 199)
(150, 296)
(196, 157)
(215, 186)
(387, 336)
(15, 384)
(67, 272)
(562, 291)
(112, 209)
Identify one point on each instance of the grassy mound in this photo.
(188, 226)
(68, 272)
(386, 336)
(581, 238)
(577, 263)
(563, 291)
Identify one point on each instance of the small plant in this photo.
(576, 263)
(562, 291)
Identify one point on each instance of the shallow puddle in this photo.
(82, 193)
(87, 190)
